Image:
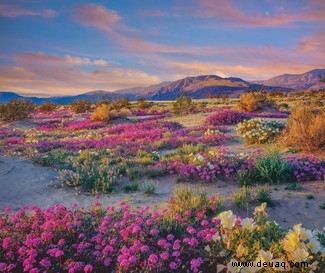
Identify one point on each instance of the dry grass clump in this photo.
(306, 128)
(253, 101)
(105, 113)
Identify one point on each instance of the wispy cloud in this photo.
(95, 15)
(230, 13)
(179, 69)
(56, 75)
(9, 10)
(41, 58)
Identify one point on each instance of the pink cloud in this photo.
(8, 10)
(231, 14)
(314, 42)
(179, 70)
(43, 59)
(37, 72)
(95, 15)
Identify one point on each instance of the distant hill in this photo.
(142, 91)
(308, 80)
(91, 96)
(204, 86)
(196, 87)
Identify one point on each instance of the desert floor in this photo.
(23, 183)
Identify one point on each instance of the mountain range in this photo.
(196, 87)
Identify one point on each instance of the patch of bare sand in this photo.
(25, 124)
(23, 183)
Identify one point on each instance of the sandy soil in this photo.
(23, 183)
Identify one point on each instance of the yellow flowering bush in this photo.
(258, 245)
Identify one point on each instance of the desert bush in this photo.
(183, 105)
(226, 117)
(101, 113)
(16, 110)
(252, 195)
(187, 201)
(142, 103)
(273, 169)
(105, 113)
(149, 187)
(259, 131)
(56, 158)
(120, 103)
(80, 106)
(47, 107)
(131, 187)
(253, 101)
(91, 175)
(306, 128)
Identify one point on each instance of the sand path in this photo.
(23, 183)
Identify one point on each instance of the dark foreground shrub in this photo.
(16, 110)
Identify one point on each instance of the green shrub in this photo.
(149, 187)
(271, 168)
(131, 188)
(16, 110)
(183, 105)
(91, 175)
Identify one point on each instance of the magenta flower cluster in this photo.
(307, 167)
(210, 166)
(226, 117)
(58, 239)
(268, 115)
(147, 112)
(127, 139)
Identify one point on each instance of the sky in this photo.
(66, 47)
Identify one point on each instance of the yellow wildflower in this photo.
(264, 256)
(260, 209)
(300, 255)
(227, 219)
(248, 223)
(290, 241)
(314, 246)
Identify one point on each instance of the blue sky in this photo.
(62, 47)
